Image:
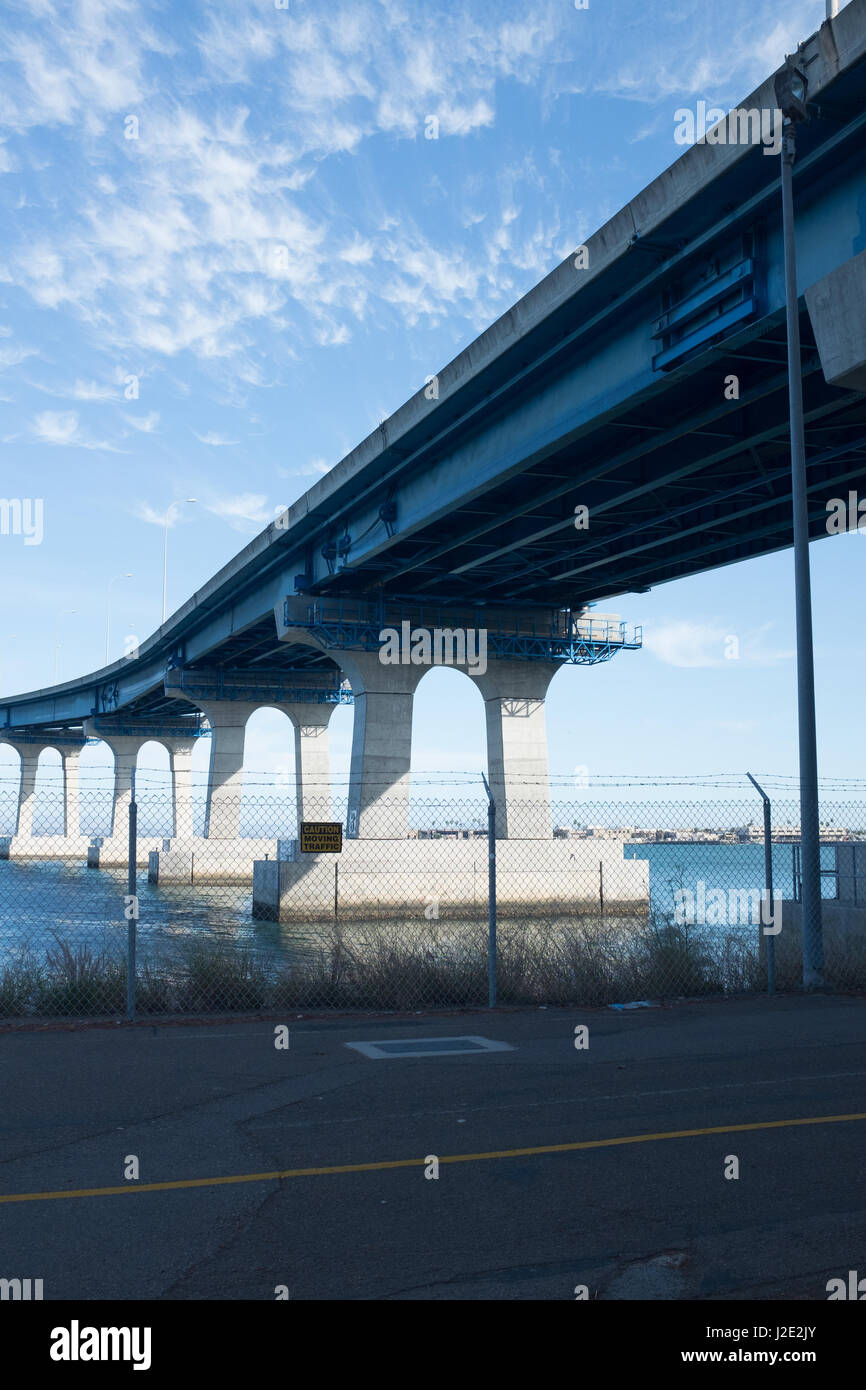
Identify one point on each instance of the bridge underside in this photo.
(684, 481)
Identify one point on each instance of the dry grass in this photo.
(585, 960)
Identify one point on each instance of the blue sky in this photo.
(279, 257)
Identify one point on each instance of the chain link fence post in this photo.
(768, 877)
(131, 902)
(491, 896)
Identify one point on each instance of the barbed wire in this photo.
(726, 781)
(580, 780)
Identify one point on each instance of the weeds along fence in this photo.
(604, 902)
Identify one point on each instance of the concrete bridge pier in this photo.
(29, 755)
(228, 720)
(312, 759)
(125, 748)
(381, 745)
(180, 767)
(29, 835)
(70, 761)
(514, 694)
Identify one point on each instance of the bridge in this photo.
(623, 425)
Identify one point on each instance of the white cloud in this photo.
(172, 515)
(218, 226)
(145, 423)
(56, 426)
(315, 466)
(242, 509)
(11, 356)
(195, 230)
(89, 391)
(217, 441)
(332, 334)
(698, 64)
(62, 428)
(79, 66)
(462, 120)
(706, 645)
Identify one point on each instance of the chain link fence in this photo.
(619, 902)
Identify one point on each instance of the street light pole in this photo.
(165, 551)
(108, 614)
(791, 96)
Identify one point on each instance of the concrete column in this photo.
(125, 748)
(514, 693)
(180, 764)
(312, 759)
(29, 755)
(70, 759)
(381, 745)
(228, 720)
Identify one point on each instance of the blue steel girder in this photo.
(48, 738)
(564, 636)
(133, 727)
(268, 687)
(578, 652)
(501, 646)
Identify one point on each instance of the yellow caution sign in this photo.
(321, 837)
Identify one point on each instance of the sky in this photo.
(229, 249)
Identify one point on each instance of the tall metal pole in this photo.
(813, 945)
(768, 881)
(491, 896)
(132, 902)
(832, 8)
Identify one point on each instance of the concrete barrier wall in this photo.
(45, 847)
(405, 876)
(842, 922)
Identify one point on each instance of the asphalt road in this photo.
(651, 1218)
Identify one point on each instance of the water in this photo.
(43, 901)
(676, 866)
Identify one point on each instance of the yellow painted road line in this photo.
(532, 1152)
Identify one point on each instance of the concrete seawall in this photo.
(397, 877)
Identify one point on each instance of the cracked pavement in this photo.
(654, 1219)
